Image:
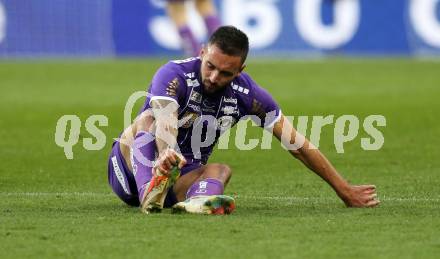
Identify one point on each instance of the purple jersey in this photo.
(180, 81)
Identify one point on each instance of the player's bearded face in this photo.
(218, 69)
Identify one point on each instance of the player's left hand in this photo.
(360, 196)
(168, 159)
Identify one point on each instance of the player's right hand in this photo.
(168, 159)
(360, 196)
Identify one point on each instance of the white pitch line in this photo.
(36, 194)
(246, 197)
(331, 199)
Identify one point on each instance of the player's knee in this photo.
(225, 171)
(221, 172)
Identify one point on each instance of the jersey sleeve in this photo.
(167, 84)
(261, 104)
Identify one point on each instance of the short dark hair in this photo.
(231, 41)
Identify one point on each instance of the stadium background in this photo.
(357, 57)
(140, 27)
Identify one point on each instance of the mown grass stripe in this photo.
(247, 197)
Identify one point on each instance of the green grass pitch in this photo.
(54, 207)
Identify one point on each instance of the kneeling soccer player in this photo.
(181, 96)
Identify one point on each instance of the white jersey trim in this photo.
(270, 125)
(163, 98)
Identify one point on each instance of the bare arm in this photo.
(165, 115)
(353, 196)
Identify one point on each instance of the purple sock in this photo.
(189, 42)
(208, 187)
(142, 156)
(212, 23)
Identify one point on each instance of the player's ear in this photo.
(202, 51)
(242, 68)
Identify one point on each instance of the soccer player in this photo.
(172, 130)
(177, 12)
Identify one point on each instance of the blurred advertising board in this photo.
(275, 27)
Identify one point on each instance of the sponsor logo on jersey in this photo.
(208, 107)
(190, 75)
(228, 110)
(230, 100)
(119, 175)
(202, 187)
(225, 122)
(192, 82)
(240, 89)
(208, 110)
(184, 60)
(196, 97)
(207, 104)
(196, 108)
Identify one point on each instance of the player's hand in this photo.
(168, 159)
(360, 196)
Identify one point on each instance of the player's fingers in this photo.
(172, 159)
(366, 189)
(370, 187)
(180, 160)
(161, 170)
(372, 203)
(167, 164)
(182, 163)
(371, 197)
(369, 191)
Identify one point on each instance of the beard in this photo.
(213, 89)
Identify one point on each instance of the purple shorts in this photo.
(123, 183)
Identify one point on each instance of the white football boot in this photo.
(156, 191)
(214, 204)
